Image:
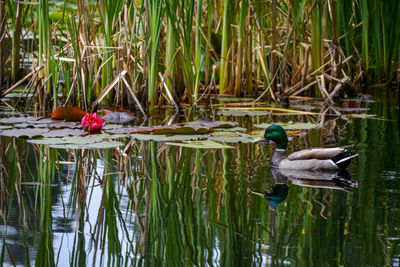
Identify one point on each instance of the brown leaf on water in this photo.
(68, 114)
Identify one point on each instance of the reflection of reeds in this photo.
(168, 204)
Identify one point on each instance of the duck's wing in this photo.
(317, 153)
(309, 164)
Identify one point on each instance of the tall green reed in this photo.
(226, 44)
(155, 11)
(109, 11)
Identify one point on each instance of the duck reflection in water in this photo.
(340, 180)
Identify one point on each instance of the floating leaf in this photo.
(101, 145)
(233, 99)
(127, 130)
(229, 137)
(272, 109)
(13, 120)
(3, 127)
(68, 114)
(29, 125)
(234, 129)
(179, 129)
(118, 116)
(111, 126)
(213, 124)
(243, 113)
(25, 132)
(81, 142)
(291, 126)
(64, 132)
(64, 124)
(166, 138)
(202, 144)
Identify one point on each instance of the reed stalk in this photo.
(198, 53)
(3, 24)
(316, 38)
(226, 43)
(16, 42)
(171, 46)
(244, 6)
(46, 56)
(155, 11)
(110, 10)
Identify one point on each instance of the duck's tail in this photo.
(343, 160)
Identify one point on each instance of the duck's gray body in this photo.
(327, 159)
(308, 159)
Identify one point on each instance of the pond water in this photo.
(148, 203)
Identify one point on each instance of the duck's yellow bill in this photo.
(258, 139)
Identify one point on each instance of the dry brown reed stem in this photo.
(108, 89)
(35, 71)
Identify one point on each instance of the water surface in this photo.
(154, 204)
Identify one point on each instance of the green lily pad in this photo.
(28, 125)
(96, 141)
(13, 120)
(25, 132)
(229, 137)
(202, 144)
(234, 129)
(213, 124)
(64, 132)
(110, 126)
(291, 126)
(76, 140)
(3, 127)
(106, 144)
(179, 129)
(243, 113)
(128, 130)
(168, 138)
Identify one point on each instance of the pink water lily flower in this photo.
(92, 123)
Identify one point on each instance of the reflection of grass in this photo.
(179, 206)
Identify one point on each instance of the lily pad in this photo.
(243, 113)
(127, 130)
(101, 145)
(291, 126)
(64, 132)
(179, 129)
(28, 125)
(81, 142)
(202, 144)
(229, 137)
(3, 127)
(14, 120)
(168, 138)
(213, 124)
(110, 126)
(234, 129)
(25, 132)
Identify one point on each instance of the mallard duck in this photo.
(329, 159)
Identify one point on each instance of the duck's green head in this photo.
(276, 134)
